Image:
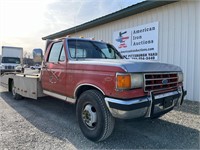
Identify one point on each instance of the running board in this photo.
(62, 97)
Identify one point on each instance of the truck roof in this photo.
(73, 38)
(11, 47)
(77, 38)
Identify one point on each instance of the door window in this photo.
(57, 53)
(62, 55)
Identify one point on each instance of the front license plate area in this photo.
(162, 105)
(167, 102)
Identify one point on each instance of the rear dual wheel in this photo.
(95, 120)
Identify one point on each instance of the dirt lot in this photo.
(49, 123)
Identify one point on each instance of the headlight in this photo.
(19, 67)
(2, 67)
(127, 81)
(180, 77)
(137, 80)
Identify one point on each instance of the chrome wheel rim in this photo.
(89, 116)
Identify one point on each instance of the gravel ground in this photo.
(49, 123)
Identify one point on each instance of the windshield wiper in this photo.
(99, 50)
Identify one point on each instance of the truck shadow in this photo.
(57, 118)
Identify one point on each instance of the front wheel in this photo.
(14, 93)
(94, 118)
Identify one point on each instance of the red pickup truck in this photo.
(103, 86)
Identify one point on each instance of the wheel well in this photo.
(84, 88)
(10, 84)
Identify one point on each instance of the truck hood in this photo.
(9, 64)
(132, 65)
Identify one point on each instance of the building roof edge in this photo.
(126, 12)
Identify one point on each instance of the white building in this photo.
(178, 40)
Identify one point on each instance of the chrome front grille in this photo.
(9, 67)
(160, 81)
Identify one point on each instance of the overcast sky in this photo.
(24, 22)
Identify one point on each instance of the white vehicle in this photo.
(37, 66)
(12, 59)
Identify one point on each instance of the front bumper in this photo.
(9, 70)
(149, 106)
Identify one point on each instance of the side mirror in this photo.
(37, 55)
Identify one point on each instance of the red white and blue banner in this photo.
(139, 42)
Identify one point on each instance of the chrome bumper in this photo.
(9, 70)
(149, 106)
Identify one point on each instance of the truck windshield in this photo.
(13, 60)
(92, 49)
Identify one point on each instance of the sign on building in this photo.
(139, 42)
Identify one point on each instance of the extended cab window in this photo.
(57, 53)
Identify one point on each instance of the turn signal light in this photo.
(123, 81)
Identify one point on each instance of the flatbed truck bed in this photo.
(26, 85)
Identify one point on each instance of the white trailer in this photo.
(12, 59)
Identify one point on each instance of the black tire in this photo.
(15, 95)
(100, 126)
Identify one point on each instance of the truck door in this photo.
(54, 71)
